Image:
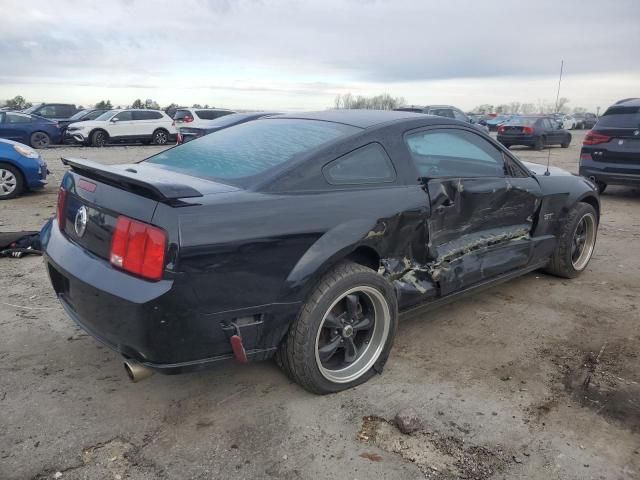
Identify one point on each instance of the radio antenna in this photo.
(556, 111)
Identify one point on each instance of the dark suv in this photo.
(53, 111)
(611, 150)
(444, 111)
(585, 120)
(532, 131)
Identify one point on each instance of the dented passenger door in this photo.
(482, 207)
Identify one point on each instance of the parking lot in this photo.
(537, 378)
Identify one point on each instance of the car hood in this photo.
(87, 123)
(539, 169)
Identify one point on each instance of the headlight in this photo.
(26, 151)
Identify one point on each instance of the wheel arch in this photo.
(96, 129)
(14, 164)
(593, 201)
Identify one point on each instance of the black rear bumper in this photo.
(156, 323)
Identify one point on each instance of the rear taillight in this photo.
(593, 138)
(62, 198)
(138, 248)
(500, 129)
(527, 130)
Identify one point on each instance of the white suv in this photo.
(125, 125)
(198, 117)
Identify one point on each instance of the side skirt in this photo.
(413, 311)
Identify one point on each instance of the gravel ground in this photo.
(538, 378)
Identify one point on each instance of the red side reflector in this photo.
(86, 185)
(62, 198)
(238, 349)
(138, 248)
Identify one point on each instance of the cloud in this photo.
(268, 45)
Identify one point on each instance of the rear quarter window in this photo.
(366, 165)
(249, 149)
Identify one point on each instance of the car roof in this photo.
(214, 109)
(629, 102)
(355, 118)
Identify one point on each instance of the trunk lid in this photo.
(96, 195)
(622, 125)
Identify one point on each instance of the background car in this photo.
(198, 117)
(532, 131)
(113, 126)
(585, 120)
(21, 168)
(611, 150)
(446, 111)
(568, 122)
(495, 122)
(81, 116)
(53, 111)
(186, 134)
(31, 130)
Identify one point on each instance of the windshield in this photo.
(526, 121)
(106, 115)
(620, 117)
(80, 114)
(33, 108)
(249, 148)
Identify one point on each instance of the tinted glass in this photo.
(64, 111)
(93, 115)
(106, 116)
(454, 153)
(460, 116)
(409, 109)
(211, 114)
(17, 118)
(48, 111)
(250, 148)
(620, 117)
(124, 116)
(146, 115)
(180, 114)
(441, 112)
(81, 114)
(526, 121)
(368, 164)
(32, 108)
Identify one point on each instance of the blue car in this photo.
(31, 130)
(21, 168)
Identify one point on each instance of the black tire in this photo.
(539, 144)
(39, 140)
(11, 181)
(506, 145)
(562, 262)
(160, 137)
(601, 186)
(99, 138)
(298, 355)
(566, 142)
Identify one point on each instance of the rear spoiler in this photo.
(157, 187)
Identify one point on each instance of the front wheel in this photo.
(344, 332)
(99, 138)
(566, 142)
(539, 145)
(575, 243)
(11, 182)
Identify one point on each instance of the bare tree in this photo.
(378, 102)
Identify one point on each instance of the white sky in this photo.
(286, 54)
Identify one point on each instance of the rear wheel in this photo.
(566, 142)
(160, 137)
(99, 138)
(539, 144)
(39, 140)
(11, 182)
(344, 332)
(575, 243)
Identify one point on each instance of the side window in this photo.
(442, 112)
(64, 111)
(454, 153)
(17, 118)
(366, 165)
(124, 116)
(460, 116)
(93, 115)
(48, 111)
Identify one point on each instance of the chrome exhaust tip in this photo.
(136, 371)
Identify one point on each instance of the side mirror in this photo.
(114, 120)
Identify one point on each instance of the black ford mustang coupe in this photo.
(304, 236)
